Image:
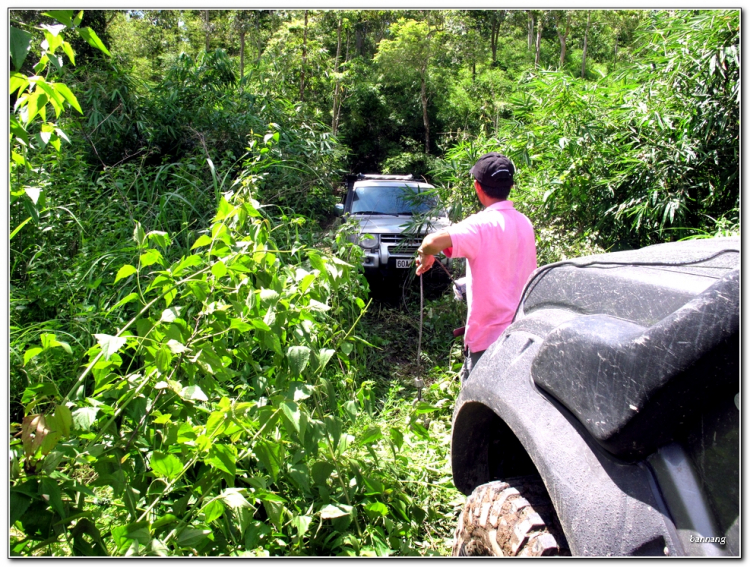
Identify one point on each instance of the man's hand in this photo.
(431, 245)
(424, 262)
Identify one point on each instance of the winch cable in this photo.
(418, 382)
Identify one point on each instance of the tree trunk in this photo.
(425, 119)
(585, 45)
(258, 41)
(494, 36)
(538, 41)
(531, 29)
(337, 88)
(207, 28)
(563, 38)
(615, 47)
(242, 57)
(304, 63)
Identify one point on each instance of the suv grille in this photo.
(400, 243)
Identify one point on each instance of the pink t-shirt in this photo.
(499, 245)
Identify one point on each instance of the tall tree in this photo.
(207, 28)
(242, 24)
(304, 63)
(409, 55)
(539, 26)
(530, 29)
(585, 44)
(562, 26)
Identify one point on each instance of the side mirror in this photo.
(339, 209)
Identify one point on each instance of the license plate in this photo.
(403, 263)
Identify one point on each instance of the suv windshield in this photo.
(391, 200)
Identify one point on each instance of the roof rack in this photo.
(385, 177)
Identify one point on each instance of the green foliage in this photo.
(630, 160)
(194, 368)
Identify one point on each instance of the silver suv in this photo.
(384, 207)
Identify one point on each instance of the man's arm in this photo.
(431, 245)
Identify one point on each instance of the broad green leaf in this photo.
(300, 475)
(219, 269)
(424, 407)
(163, 358)
(51, 490)
(151, 256)
(18, 504)
(203, 240)
(318, 306)
(299, 391)
(166, 465)
(33, 193)
(20, 43)
(125, 271)
(68, 49)
(176, 347)
(233, 498)
(138, 531)
(213, 511)
(83, 418)
(397, 437)
(62, 16)
(54, 433)
(372, 435)
(223, 457)
(268, 295)
(165, 520)
(193, 393)
(49, 340)
(257, 535)
(31, 354)
(160, 237)
(18, 82)
(321, 472)
(168, 316)
(292, 412)
(299, 357)
(64, 419)
(93, 40)
(259, 324)
(185, 263)
(139, 235)
(324, 356)
(270, 454)
(216, 424)
(375, 509)
(110, 344)
(36, 103)
(39, 392)
(330, 512)
(302, 523)
(240, 325)
(127, 299)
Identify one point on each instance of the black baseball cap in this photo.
(493, 170)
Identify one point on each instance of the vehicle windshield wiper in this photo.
(410, 213)
(369, 213)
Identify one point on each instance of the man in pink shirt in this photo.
(498, 243)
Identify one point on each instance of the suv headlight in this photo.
(368, 241)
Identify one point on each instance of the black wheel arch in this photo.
(503, 425)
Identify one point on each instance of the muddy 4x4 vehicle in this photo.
(605, 420)
(384, 205)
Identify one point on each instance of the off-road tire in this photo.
(509, 518)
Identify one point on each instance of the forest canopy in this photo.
(191, 368)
